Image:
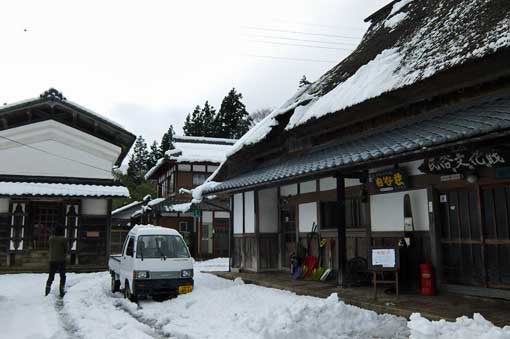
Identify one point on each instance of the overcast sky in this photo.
(146, 64)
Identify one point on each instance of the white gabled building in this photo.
(56, 169)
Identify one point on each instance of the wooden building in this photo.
(56, 169)
(405, 139)
(188, 165)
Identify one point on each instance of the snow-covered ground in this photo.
(217, 308)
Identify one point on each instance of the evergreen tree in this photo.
(154, 155)
(232, 120)
(208, 119)
(137, 165)
(167, 141)
(193, 125)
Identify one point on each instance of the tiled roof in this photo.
(414, 134)
(59, 189)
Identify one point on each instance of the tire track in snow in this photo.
(68, 326)
(159, 333)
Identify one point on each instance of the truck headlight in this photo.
(187, 274)
(141, 274)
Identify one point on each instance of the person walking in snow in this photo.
(57, 259)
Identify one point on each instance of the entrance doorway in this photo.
(475, 236)
(220, 237)
(288, 222)
(44, 217)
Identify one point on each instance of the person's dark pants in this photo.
(55, 267)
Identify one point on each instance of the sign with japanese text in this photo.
(393, 180)
(459, 162)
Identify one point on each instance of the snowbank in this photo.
(462, 328)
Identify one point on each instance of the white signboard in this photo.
(384, 257)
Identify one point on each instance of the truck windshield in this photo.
(161, 246)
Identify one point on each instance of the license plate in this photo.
(185, 289)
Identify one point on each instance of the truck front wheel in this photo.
(127, 293)
(115, 285)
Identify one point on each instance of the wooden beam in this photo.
(341, 238)
(231, 234)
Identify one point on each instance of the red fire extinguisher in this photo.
(427, 280)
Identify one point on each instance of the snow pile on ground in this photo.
(464, 328)
(212, 265)
(217, 308)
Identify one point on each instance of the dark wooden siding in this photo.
(92, 250)
(268, 251)
(4, 238)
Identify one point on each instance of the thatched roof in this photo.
(408, 43)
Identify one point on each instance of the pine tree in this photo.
(193, 125)
(208, 115)
(232, 121)
(138, 162)
(154, 155)
(167, 141)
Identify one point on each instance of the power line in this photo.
(291, 59)
(320, 25)
(53, 154)
(302, 40)
(299, 32)
(299, 45)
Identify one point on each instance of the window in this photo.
(199, 178)
(161, 246)
(356, 214)
(184, 226)
(130, 247)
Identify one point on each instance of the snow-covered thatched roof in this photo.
(408, 42)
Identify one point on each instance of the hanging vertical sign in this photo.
(389, 181)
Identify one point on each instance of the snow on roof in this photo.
(125, 207)
(195, 149)
(191, 151)
(152, 230)
(407, 42)
(186, 138)
(57, 189)
(53, 94)
(184, 207)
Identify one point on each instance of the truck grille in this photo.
(165, 275)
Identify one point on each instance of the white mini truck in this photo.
(155, 261)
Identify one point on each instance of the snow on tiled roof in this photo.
(195, 149)
(58, 189)
(413, 134)
(408, 41)
(126, 207)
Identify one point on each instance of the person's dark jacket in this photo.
(58, 248)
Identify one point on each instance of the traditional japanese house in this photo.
(188, 165)
(404, 141)
(56, 169)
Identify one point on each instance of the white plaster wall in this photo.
(56, 150)
(327, 184)
(288, 190)
(238, 213)
(94, 206)
(4, 205)
(387, 211)
(249, 212)
(223, 215)
(307, 216)
(268, 210)
(207, 216)
(308, 187)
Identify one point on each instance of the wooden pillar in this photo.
(231, 234)
(109, 230)
(257, 232)
(435, 233)
(341, 238)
